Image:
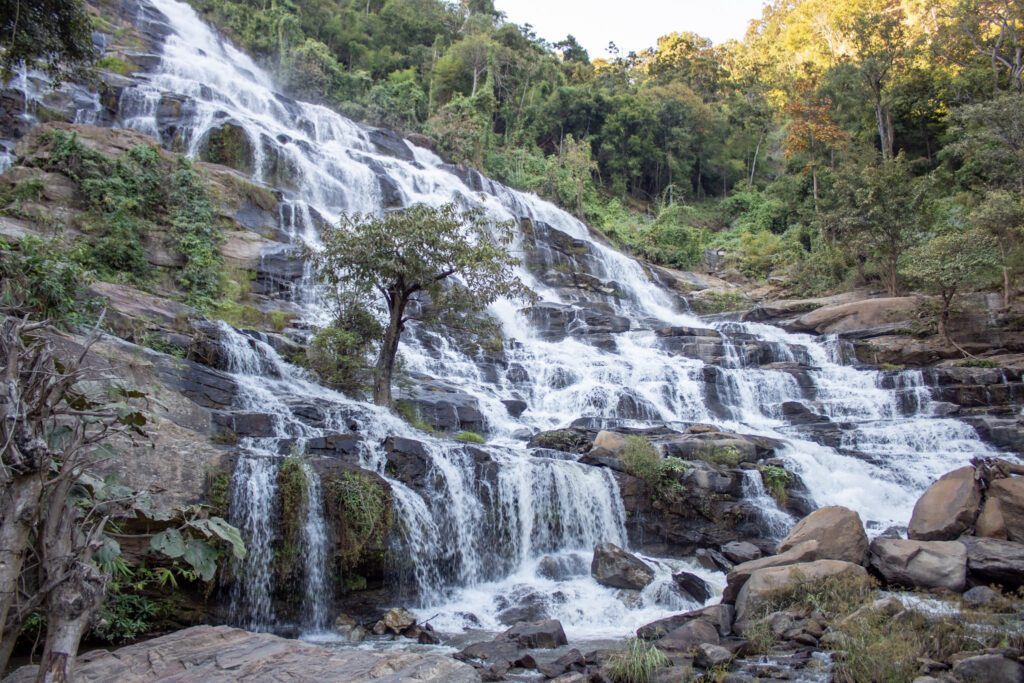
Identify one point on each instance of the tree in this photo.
(947, 263)
(1001, 216)
(811, 130)
(57, 422)
(989, 139)
(576, 160)
(457, 259)
(995, 29)
(55, 35)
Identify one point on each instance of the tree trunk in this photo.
(476, 78)
(17, 518)
(8, 637)
(389, 350)
(67, 615)
(1006, 274)
(753, 164)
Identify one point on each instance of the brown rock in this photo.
(613, 566)
(613, 442)
(764, 582)
(921, 564)
(689, 635)
(1003, 511)
(948, 508)
(397, 619)
(838, 531)
(803, 552)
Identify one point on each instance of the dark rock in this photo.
(981, 596)
(713, 560)
(515, 407)
(613, 566)
(407, 459)
(692, 585)
(490, 650)
(562, 567)
(257, 425)
(719, 616)
(529, 613)
(741, 551)
(571, 661)
(335, 445)
(542, 634)
(568, 440)
(709, 656)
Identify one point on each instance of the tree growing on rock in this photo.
(457, 259)
(949, 262)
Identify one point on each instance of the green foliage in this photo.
(470, 437)
(978, 363)
(359, 510)
(776, 481)
(642, 460)
(730, 456)
(44, 278)
(117, 65)
(408, 412)
(197, 235)
(293, 497)
(719, 302)
(339, 353)
(639, 662)
(54, 35)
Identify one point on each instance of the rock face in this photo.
(740, 574)
(1002, 516)
(921, 564)
(948, 508)
(764, 582)
(220, 653)
(545, 634)
(613, 566)
(838, 531)
(994, 561)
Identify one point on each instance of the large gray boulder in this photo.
(803, 552)
(1002, 516)
(988, 668)
(612, 566)
(689, 635)
(838, 531)
(221, 654)
(991, 560)
(948, 508)
(719, 616)
(920, 564)
(544, 634)
(763, 583)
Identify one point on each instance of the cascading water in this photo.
(469, 542)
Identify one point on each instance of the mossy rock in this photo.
(229, 145)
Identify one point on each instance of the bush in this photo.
(719, 455)
(776, 481)
(638, 663)
(641, 460)
(44, 278)
(470, 437)
(407, 411)
(359, 511)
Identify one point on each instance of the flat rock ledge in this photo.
(221, 653)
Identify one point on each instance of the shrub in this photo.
(293, 493)
(44, 278)
(638, 663)
(776, 481)
(640, 458)
(470, 437)
(359, 511)
(719, 455)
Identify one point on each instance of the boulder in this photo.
(571, 661)
(612, 566)
(561, 567)
(1002, 516)
(407, 459)
(948, 508)
(920, 564)
(221, 654)
(713, 560)
(691, 634)
(804, 552)
(981, 596)
(692, 585)
(989, 668)
(490, 651)
(613, 442)
(545, 634)
(741, 551)
(719, 616)
(838, 531)
(764, 582)
(710, 656)
(991, 560)
(515, 615)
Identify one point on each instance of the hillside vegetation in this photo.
(828, 146)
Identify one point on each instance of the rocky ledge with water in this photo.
(640, 461)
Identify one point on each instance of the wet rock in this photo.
(994, 561)
(921, 564)
(407, 459)
(764, 582)
(989, 669)
(338, 445)
(515, 615)
(572, 660)
(612, 566)
(741, 551)
(1002, 515)
(541, 634)
(515, 407)
(948, 508)
(220, 654)
(838, 531)
(738, 576)
(691, 634)
(567, 440)
(713, 560)
(692, 585)
(397, 619)
(562, 567)
(229, 145)
(490, 650)
(257, 425)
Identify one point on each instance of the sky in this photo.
(632, 24)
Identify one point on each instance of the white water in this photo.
(470, 541)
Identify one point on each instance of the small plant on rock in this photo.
(470, 437)
(638, 663)
(776, 481)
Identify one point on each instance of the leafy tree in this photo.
(55, 35)
(1001, 216)
(456, 259)
(811, 130)
(989, 140)
(949, 262)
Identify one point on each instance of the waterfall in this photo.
(485, 523)
(774, 522)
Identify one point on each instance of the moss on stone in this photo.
(359, 511)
